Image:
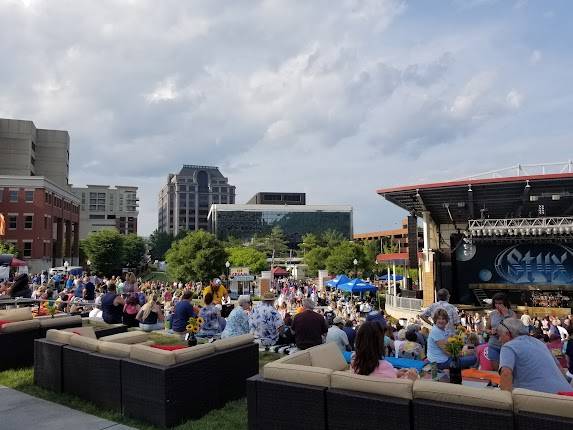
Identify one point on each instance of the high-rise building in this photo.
(30, 151)
(185, 200)
(41, 213)
(103, 207)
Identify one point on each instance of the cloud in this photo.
(279, 94)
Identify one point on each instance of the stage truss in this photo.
(553, 227)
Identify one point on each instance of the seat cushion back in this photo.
(59, 336)
(301, 358)
(47, 322)
(16, 326)
(129, 337)
(233, 342)
(151, 355)
(328, 356)
(121, 350)
(298, 374)
(542, 403)
(462, 395)
(83, 331)
(197, 351)
(393, 387)
(83, 342)
(15, 315)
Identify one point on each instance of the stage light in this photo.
(567, 230)
(548, 231)
(554, 230)
(561, 230)
(527, 232)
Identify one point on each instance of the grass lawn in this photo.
(232, 416)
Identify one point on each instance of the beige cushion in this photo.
(394, 387)
(98, 322)
(60, 321)
(328, 356)
(129, 337)
(194, 352)
(542, 403)
(59, 336)
(82, 331)
(20, 326)
(298, 374)
(84, 342)
(233, 342)
(462, 395)
(18, 314)
(114, 349)
(152, 355)
(300, 357)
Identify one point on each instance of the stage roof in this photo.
(525, 196)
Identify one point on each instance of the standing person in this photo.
(377, 316)
(217, 290)
(525, 362)
(308, 326)
(555, 345)
(350, 333)
(501, 311)
(337, 335)
(265, 321)
(526, 320)
(183, 311)
(89, 289)
(443, 296)
(112, 306)
(437, 341)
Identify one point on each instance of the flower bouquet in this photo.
(193, 327)
(51, 308)
(454, 347)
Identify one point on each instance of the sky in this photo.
(333, 98)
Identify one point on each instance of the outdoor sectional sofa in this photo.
(161, 387)
(17, 337)
(318, 382)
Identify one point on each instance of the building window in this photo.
(33, 146)
(45, 251)
(12, 222)
(97, 216)
(13, 196)
(27, 249)
(28, 222)
(29, 196)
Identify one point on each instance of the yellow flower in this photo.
(200, 320)
(195, 329)
(189, 327)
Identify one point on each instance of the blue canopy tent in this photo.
(385, 277)
(357, 286)
(340, 279)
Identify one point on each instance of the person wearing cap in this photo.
(218, 291)
(308, 326)
(337, 335)
(265, 322)
(238, 319)
(525, 362)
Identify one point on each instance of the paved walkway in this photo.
(20, 411)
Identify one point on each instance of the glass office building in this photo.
(245, 221)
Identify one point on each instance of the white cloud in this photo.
(535, 57)
(514, 99)
(164, 91)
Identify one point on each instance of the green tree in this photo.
(371, 251)
(309, 242)
(315, 259)
(159, 242)
(8, 248)
(198, 257)
(134, 249)
(389, 247)
(332, 238)
(105, 251)
(341, 259)
(242, 256)
(274, 243)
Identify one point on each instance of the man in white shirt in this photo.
(443, 296)
(336, 334)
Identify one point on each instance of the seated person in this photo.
(265, 322)
(411, 348)
(112, 306)
(337, 335)
(437, 341)
(150, 316)
(369, 356)
(238, 320)
(525, 362)
(210, 314)
(183, 311)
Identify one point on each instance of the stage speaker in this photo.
(413, 242)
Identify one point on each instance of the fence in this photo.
(404, 302)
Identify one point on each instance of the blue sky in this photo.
(336, 99)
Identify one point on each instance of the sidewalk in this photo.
(21, 411)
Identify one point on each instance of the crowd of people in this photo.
(529, 352)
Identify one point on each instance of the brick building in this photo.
(42, 221)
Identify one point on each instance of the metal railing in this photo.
(23, 301)
(404, 302)
(526, 170)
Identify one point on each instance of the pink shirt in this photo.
(384, 370)
(483, 359)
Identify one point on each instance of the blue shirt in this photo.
(533, 365)
(264, 323)
(210, 315)
(435, 353)
(79, 290)
(183, 311)
(237, 323)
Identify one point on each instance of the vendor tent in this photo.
(339, 280)
(279, 271)
(18, 263)
(357, 286)
(385, 277)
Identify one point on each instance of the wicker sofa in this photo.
(161, 387)
(17, 336)
(318, 381)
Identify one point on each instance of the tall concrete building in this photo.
(30, 151)
(185, 200)
(41, 213)
(103, 207)
(277, 198)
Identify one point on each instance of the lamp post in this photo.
(66, 265)
(355, 262)
(227, 265)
